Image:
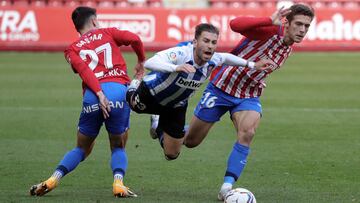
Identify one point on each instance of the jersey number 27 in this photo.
(93, 54)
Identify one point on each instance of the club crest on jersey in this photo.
(189, 84)
(172, 57)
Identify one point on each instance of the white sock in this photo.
(118, 177)
(57, 175)
(134, 84)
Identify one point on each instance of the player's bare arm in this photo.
(139, 70)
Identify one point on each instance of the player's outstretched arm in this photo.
(255, 28)
(278, 15)
(123, 37)
(232, 60)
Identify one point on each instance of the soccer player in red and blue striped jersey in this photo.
(237, 89)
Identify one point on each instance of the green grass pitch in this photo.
(306, 149)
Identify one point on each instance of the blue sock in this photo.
(71, 160)
(119, 161)
(236, 162)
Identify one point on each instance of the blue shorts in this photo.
(91, 117)
(214, 103)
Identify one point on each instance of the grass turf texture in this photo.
(306, 148)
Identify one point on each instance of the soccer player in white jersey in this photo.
(176, 74)
(237, 89)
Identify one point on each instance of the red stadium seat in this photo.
(351, 5)
(334, 4)
(138, 3)
(71, 3)
(89, 3)
(55, 3)
(21, 3)
(219, 4)
(237, 4)
(5, 3)
(106, 4)
(121, 4)
(252, 4)
(38, 3)
(155, 3)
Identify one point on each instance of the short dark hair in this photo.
(81, 15)
(300, 9)
(205, 27)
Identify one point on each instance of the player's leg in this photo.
(140, 100)
(89, 125)
(117, 126)
(138, 96)
(198, 130)
(119, 163)
(208, 111)
(171, 146)
(246, 118)
(171, 131)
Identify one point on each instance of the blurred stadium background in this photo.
(306, 148)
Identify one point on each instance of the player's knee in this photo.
(246, 135)
(118, 140)
(171, 157)
(190, 143)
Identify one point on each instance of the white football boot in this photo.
(225, 188)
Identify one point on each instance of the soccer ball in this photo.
(239, 195)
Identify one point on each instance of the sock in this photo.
(236, 162)
(186, 129)
(118, 176)
(160, 134)
(69, 162)
(119, 162)
(57, 175)
(134, 84)
(155, 123)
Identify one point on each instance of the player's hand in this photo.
(278, 15)
(139, 70)
(104, 104)
(264, 64)
(186, 68)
